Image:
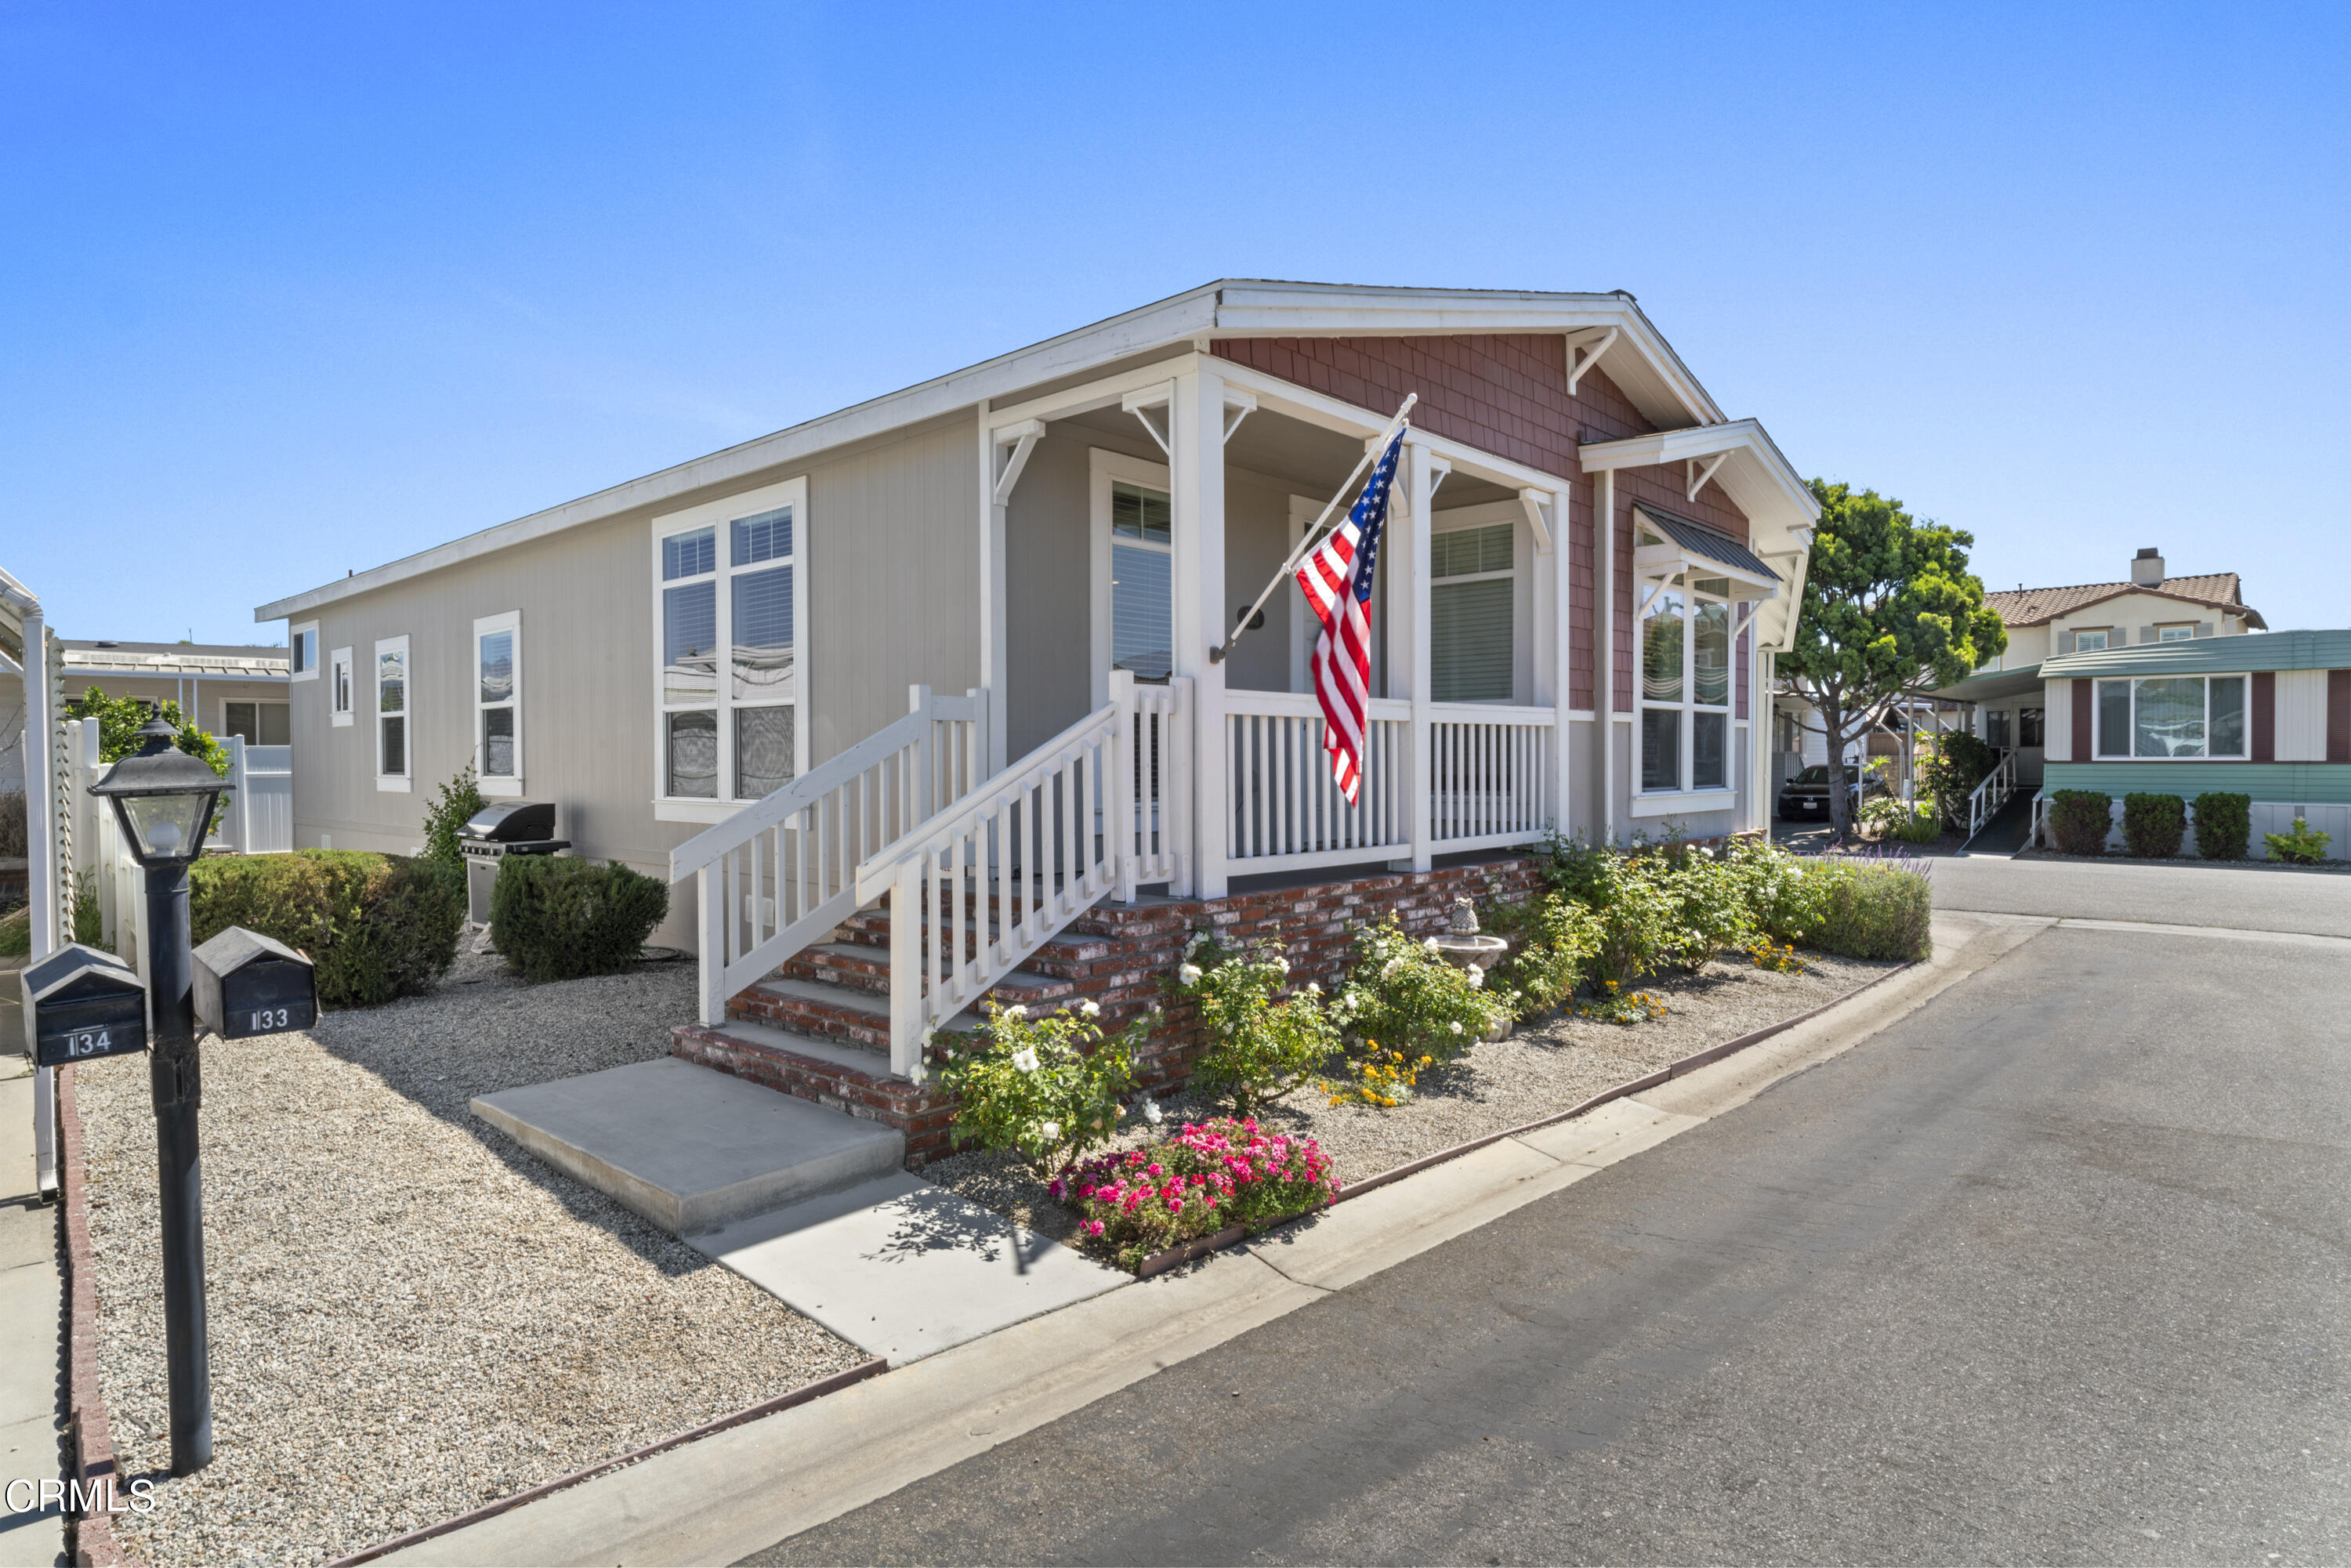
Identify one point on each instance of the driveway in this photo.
(2057, 1267)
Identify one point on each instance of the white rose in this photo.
(1429, 943)
(1049, 1131)
(1313, 989)
(1282, 964)
(1190, 974)
(1152, 1114)
(1016, 1011)
(1477, 976)
(1093, 1010)
(1454, 1027)
(930, 1032)
(1025, 1060)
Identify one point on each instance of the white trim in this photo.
(504, 784)
(346, 687)
(702, 812)
(394, 783)
(1105, 469)
(717, 516)
(294, 635)
(1686, 803)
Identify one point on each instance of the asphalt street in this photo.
(2274, 898)
(2053, 1268)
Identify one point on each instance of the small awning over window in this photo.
(1665, 546)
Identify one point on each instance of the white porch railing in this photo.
(781, 874)
(1990, 795)
(974, 891)
(1283, 812)
(1490, 775)
(1488, 778)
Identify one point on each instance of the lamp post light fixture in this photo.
(164, 801)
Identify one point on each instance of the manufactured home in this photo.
(978, 643)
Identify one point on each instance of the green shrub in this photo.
(2079, 820)
(460, 799)
(119, 720)
(1558, 937)
(1402, 996)
(2224, 824)
(557, 919)
(1581, 871)
(375, 927)
(1874, 909)
(1047, 1088)
(1260, 1045)
(1949, 769)
(1783, 901)
(16, 931)
(2303, 846)
(16, 825)
(2153, 824)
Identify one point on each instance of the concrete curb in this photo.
(766, 1481)
(92, 1434)
(782, 1401)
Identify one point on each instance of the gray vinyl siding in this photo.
(1047, 583)
(892, 552)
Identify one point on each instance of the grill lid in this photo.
(507, 821)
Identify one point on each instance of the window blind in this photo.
(1471, 641)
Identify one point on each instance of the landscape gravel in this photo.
(1546, 1066)
(409, 1316)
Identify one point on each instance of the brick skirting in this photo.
(1121, 956)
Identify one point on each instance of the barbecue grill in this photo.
(498, 830)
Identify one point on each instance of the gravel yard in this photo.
(1546, 1066)
(409, 1316)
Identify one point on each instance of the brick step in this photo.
(856, 967)
(1066, 955)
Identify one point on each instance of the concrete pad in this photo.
(719, 1499)
(689, 1148)
(902, 1269)
(1384, 1227)
(1613, 1131)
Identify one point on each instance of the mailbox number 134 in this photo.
(271, 1018)
(89, 1042)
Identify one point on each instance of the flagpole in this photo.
(1372, 449)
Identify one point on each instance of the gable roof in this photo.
(2039, 606)
(1626, 345)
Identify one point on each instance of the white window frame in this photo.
(2175, 631)
(1104, 469)
(717, 515)
(1522, 576)
(2098, 738)
(342, 691)
(403, 782)
(294, 635)
(509, 621)
(1685, 797)
(2106, 635)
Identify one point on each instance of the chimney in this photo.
(2147, 568)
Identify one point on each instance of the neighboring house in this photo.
(226, 690)
(2086, 618)
(2267, 716)
(1066, 532)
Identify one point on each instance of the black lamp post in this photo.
(163, 799)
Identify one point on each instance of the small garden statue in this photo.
(1464, 922)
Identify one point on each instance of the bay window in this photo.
(2166, 717)
(732, 579)
(1685, 688)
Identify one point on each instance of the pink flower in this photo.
(1093, 1227)
(1155, 1168)
(1175, 1206)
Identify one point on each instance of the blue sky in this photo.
(290, 290)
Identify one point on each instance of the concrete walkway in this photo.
(31, 1305)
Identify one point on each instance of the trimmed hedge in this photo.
(559, 919)
(2224, 824)
(375, 927)
(2079, 820)
(2153, 824)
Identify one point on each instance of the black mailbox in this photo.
(248, 984)
(81, 1003)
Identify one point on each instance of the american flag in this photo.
(1337, 578)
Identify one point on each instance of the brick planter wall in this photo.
(1118, 955)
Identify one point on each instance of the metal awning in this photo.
(1994, 685)
(1674, 545)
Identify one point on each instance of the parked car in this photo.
(1807, 794)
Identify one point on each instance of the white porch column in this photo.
(991, 597)
(51, 904)
(1415, 559)
(1196, 422)
(1604, 651)
(1553, 645)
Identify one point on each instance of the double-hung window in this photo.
(498, 702)
(395, 714)
(1686, 686)
(1472, 600)
(339, 688)
(2161, 718)
(1142, 582)
(729, 611)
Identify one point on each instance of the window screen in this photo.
(763, 750)
(693, 754)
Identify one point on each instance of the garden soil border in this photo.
(88, 1427)
(781, 1402)
(1200, 1246)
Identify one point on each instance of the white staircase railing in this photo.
(1100, 808)
(1988, 795)
(782, 873)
